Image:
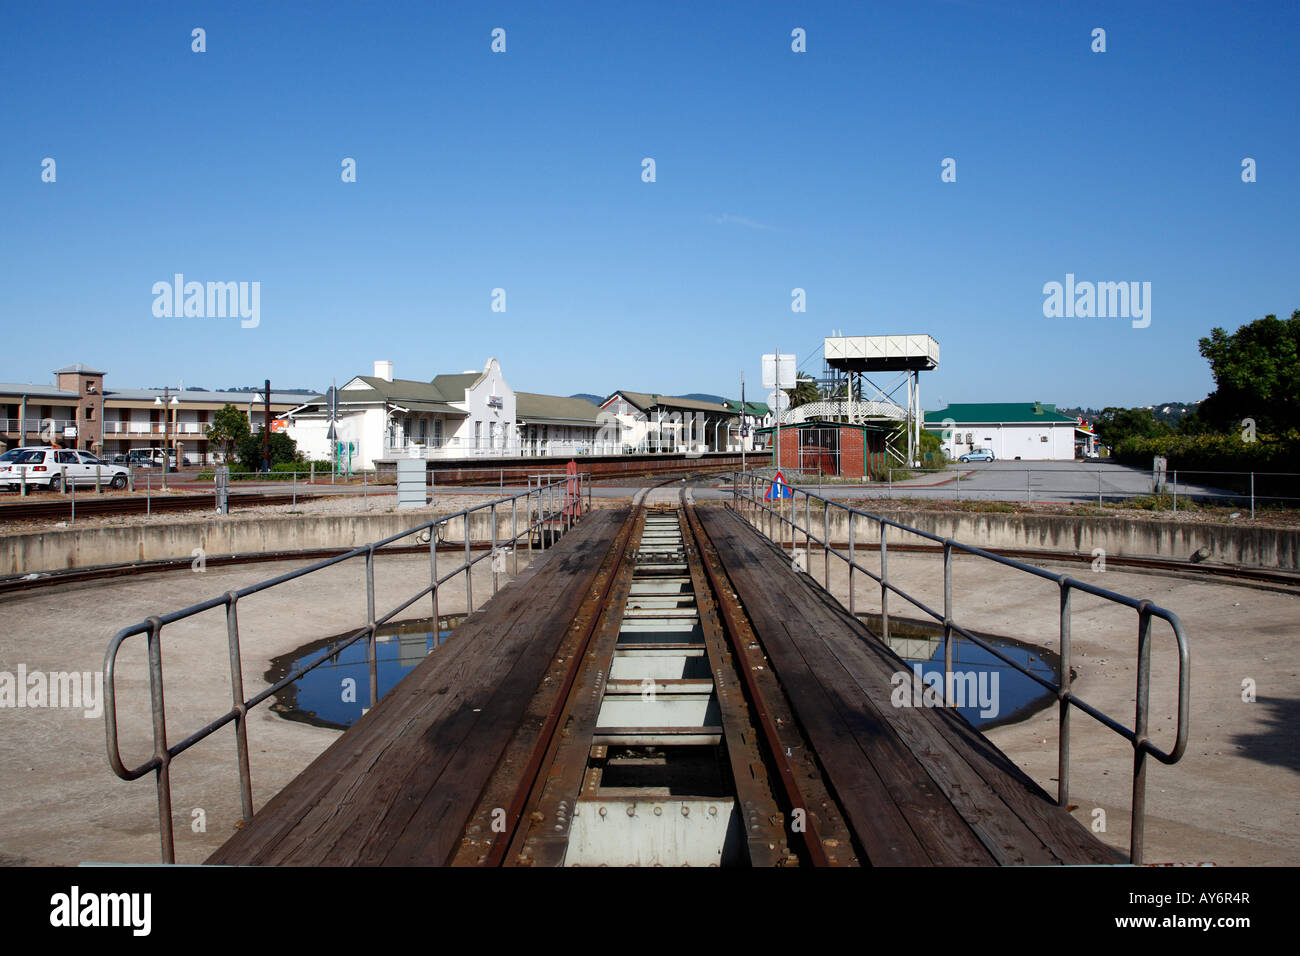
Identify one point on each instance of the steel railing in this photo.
(749, 499)
(550, 507)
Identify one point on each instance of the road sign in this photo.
(778, 370)
(779, 488)
(778, 400)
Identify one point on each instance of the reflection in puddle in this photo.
(1013, 696)
(336, 692)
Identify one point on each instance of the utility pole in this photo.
(744, 432)
(778, 409)
(266, 429)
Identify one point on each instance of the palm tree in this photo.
(805, 391)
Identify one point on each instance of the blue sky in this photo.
(522, 171)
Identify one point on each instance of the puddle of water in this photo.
(335, 693)
(998, 694)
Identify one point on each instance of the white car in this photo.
(47, 467)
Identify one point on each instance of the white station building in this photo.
(465, 415)
(1030, 431)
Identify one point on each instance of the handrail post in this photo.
(469, 587)
(514, 532)
(433, 579)
(1063, 722)
(1138, 821)
(163, 772)
(370, 624)
(493, 552)
(826, 544)
(241, 712)
(947, 623)
(853, 520)
(884, 584)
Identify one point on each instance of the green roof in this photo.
(760, 409)
(647, 400)
(531, 407)
(996, 413)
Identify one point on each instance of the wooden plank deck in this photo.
(398, 786)
(919, 785)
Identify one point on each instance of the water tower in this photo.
(850, 359)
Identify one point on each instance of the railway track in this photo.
(667, 740)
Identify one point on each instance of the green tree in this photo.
(805, 391)
(228, 430)
(1114, 425)
(282, 449)
(1256, 375)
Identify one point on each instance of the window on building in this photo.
(90, 413)
(478, 433)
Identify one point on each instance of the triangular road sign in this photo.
(779, 488)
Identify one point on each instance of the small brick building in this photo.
(830, 448)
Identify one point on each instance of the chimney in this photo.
(384, 370)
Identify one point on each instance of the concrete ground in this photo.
(1234, 798)
(60, 803)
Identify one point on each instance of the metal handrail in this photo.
(554, 506)
(745, 492)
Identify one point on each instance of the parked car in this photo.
(47, 467)
(978, 454)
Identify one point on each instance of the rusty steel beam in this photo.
(826, 839)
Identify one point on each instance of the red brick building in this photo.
(830, 448)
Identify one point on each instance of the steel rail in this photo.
(728, 610)
(758, 513)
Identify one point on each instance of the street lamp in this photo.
(174, 403)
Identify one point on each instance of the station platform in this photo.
(918, 785)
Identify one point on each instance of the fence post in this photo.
(98, 489)
(365, 500)
(1029, 486)
(1098, 488)
(1175, 492)
(1252, 494)
(73, 489)
(148, 494)
(294, 478)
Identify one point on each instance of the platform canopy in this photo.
(882, 353)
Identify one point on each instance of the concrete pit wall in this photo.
(1134, 537)
(92, 547)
